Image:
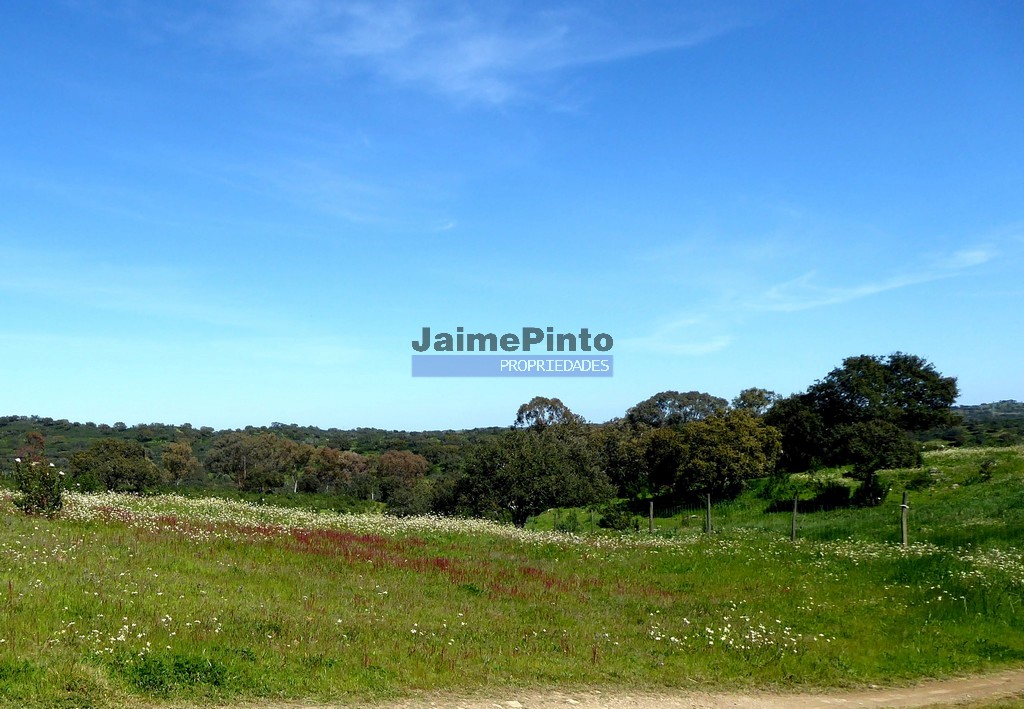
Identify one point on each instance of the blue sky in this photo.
(240, 213)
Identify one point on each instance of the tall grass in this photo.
(959, 497)
(167, 598)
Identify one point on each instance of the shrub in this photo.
(984, 473)
(571, 523)
(40, 487)
(871, 493)
(110, 464)
(618, 517)
(921, 478)
(833, 494)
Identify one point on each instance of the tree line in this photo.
(675, 447)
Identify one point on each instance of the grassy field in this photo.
(127, 599)
(951, 504)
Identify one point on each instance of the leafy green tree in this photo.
(39, 484)
(229, 457)
(401, 475)
(902, 389)
(260, 462)
(40, 487)
(179, 462)
(724, 452)
(113, 464)
(541, 412)
(672, 408)
(275, 459)
(877, 445)
(805, 439)
(620, 452)
(755, 401)
(338, 470)
(525, 471)
(664, 455)
(414, 498)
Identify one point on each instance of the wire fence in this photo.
(900, 518)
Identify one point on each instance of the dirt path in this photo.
(970, 691)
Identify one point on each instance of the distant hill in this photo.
(64, 438)
(1000, 423)
(993, 424)
(999, 410)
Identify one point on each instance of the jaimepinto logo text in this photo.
(511, 354)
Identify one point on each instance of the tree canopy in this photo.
(902, 389)
(820, 426)
(541, 412)
(672, 408)
(111, 464)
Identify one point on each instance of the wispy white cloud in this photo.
(480, 52)
(708, 330)
(685, 336)
(810, 291)
(153, 291)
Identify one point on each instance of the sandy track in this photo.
(1005, 685)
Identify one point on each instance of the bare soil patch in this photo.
(1003, 689)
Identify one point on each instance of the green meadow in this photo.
(123, 600)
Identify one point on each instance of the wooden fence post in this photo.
(707, 521)
(650, 517)
(792, 536)
(904, 509)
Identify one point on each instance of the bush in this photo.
(571, 523)
(40, 486)
(875, 445)
(833, 494)
(110, 464)
(619, 518)
(870, 493)
(921, 478)
(984, 473)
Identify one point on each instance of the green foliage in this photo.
(901, 389)
(664, 454)
(167, 673)
(324, 609)
(870, 493)
(984, 472)
(672, 408)
(755, 401)
(403, 482)
(541, 412)
(111, 464)
(179, 463)
(621, 454)
(832, 495)
(333, 470)
(40, 487)
(618, 517)
(526, 471)
(723, 452)
(805, 440)
(415, 497)
(570, 523)
(260, 462)
(921, 479)
(715, 455)
(874, 445)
